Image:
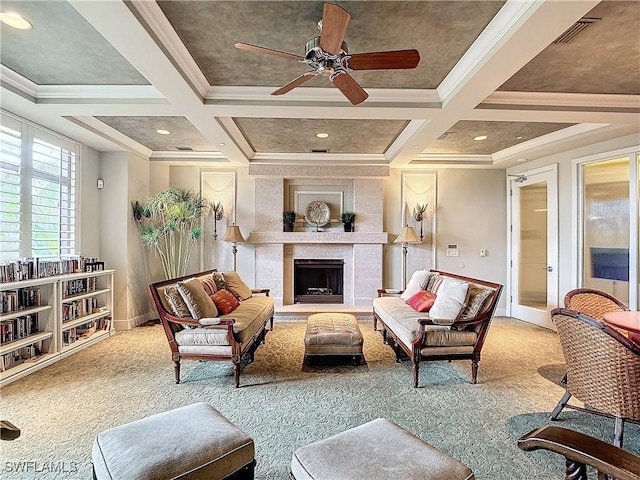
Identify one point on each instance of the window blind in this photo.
(53, 200)
(10, 192)
(38, 207)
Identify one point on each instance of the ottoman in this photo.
(378, 449)
(333, 334)
(192, 442)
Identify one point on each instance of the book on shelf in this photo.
(30, 268)
(19, 299)
(18, 328)
(30, 353)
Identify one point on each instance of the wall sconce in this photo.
(418, 215)
(218, 214)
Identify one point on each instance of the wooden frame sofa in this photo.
(195, 334)
(424, 338)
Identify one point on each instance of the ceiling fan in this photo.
(328, 55)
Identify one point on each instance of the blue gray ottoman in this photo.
(193, 442)
(379, 450)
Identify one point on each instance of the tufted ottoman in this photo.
(378, 449)
(333, 334)
(194, 442)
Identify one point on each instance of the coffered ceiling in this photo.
(111, 73)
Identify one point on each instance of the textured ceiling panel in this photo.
(590, 63)
(143, 131)
(286, 135)
(62, 48)
(500, 135)
(441, 31)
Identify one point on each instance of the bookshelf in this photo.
(45, 319)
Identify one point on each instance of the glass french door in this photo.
(610, 227)
(534, 247)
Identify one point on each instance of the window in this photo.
(38, 192)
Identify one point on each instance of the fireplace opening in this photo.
(318, 281)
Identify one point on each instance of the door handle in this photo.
(549, 268)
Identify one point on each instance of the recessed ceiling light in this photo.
(322, 135)
(521, 160)
(479, 138)
(416, 146)
(519, 137)
(222, 144)
(14, 20)
(163, 132)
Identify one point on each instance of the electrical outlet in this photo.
(483, 252)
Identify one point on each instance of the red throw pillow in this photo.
(422, 301)
(225, 301)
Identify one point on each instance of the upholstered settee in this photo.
(455, 315)
(213, 315)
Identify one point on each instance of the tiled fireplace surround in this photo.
(362, 250)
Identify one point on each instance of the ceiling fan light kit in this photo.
(328, 55)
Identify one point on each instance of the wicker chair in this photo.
(603, 368)
(594, 303)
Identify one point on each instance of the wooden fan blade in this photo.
(335, 21)
(268, 51)
(350, 88)
(294, 83)
(384, 60)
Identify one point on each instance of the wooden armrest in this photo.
(436, 321)
(452, 323)
(388, 291)
(578, 447)
(261, 290)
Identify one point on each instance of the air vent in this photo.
(445, 135)
(186, 149)
(578, 27)
(319, 150)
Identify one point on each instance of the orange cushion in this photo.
(422, 301)
(225, 301)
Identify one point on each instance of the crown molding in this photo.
(154, 21)
(169, 155)
(451, 159)
(423, 97)
(18, 83)
(325, 159)
(550, 100)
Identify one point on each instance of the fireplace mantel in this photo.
(352, 238)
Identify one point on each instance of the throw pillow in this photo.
(218, 279)
(475, 300)
(175, 301)
(236, 286)
(450, 299)
(197, 300)
(225, 301)
(416, 283)
(434, 284)
(422, 301)
(209, 285)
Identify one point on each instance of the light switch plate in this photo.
(452, 250)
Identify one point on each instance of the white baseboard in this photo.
(128, 324)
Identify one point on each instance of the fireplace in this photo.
(318, 281)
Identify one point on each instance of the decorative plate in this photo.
(317, 214)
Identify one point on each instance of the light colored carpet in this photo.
(61, 408)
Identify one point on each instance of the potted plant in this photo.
(348, 218)
(171, 223)
(288, 218)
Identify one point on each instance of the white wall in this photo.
(472, 214)
(126, 178)
(90, 201)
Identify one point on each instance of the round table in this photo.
(626, 320)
